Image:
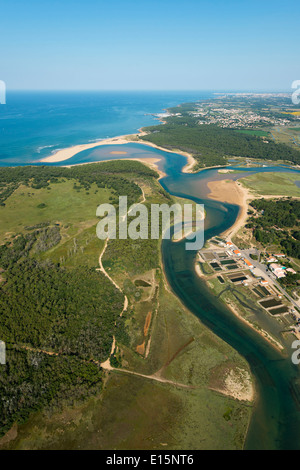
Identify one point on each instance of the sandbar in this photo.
(232, 192)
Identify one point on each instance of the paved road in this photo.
(267, 274)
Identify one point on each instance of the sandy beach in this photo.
(232, 192)
(237, 383)
(188, 168)
(67, 153)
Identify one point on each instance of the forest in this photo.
(277, 222)
(57, 322)
(107, 174)
(211, 144)
(46, 308)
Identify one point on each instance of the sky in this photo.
(150, 45)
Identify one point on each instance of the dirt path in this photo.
(29, 348)
(107, 366)
(105, 272)
(125, 306)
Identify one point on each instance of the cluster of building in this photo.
(234, 118)
(277, 269)
(232, 250)
(232, 264)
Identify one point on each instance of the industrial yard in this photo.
(247, 280)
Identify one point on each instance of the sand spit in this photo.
(67, 153)
(232, 192)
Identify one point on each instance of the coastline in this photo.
(69, 152)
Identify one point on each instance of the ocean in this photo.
(35, 124)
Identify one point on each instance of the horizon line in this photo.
(215, 90)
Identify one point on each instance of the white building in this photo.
(278, 270)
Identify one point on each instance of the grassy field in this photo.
(79, 246)
(287, 135)
(139, 413)
(73, 210)
(58, 204)
(277, 184)
(255, 132)
(133, 412)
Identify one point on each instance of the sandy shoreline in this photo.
(262, 333)
(67, 153)
(232, 192)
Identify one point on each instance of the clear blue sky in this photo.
(143, 44)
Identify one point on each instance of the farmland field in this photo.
(280, 184)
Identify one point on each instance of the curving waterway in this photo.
(275, 422)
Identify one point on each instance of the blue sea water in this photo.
(35, 124)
